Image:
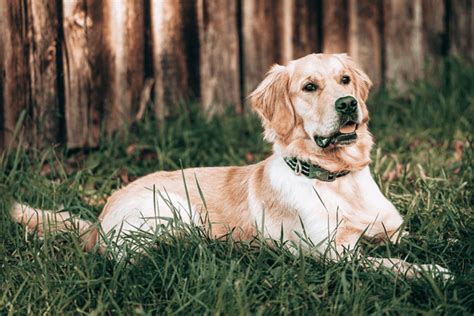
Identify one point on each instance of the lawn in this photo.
(423, 162)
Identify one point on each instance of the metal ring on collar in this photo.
(298, 167)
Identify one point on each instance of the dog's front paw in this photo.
(434, 270)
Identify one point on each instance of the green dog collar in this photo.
(311, 171)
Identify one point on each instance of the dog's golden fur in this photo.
(272, 100)
(268, 197)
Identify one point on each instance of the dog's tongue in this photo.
(348, 128)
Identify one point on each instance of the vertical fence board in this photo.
(219, 54)
(125, 34)
(29, 63)
(169, 59)
(403, 39)
(285, 25)
(461, 28)
(43, 38)
(100, 60)
(261, 40)
(3, 12)
(304, 28)
(434, 29)
(16, 90)
(190, 36)
(365, 40)
(335, 26)
(77, 74)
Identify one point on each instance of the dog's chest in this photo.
(317, 209)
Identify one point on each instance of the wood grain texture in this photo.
(43, 71)
(29, 70)
(403, 40)
(3, 12)
(219, 55)
(434, 29)
(335, 26)
(17, 86)
(124, 33)
(461, 28)
(304, 28)
(81, 108)
(365, 37)
(169, 55)
(217, 51)
(262, 45)
(191, 42)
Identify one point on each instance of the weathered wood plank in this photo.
(304, 28)
(103, 59)
(261, 40)
(29, 70)
(16, 90)
(219, 54)
(124, 31)
(434, 29)
(461, 28)
(100, 59)
(81, 109)
(169, 55)
(335, 26)
(191, 43)
(403, 41)
(3, 8)
(365, 36)
(43, 39)
(104, 66)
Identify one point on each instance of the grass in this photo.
(422, 161)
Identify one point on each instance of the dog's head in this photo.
(314, 109)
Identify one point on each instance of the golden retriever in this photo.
(316, 184)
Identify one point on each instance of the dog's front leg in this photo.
(409, 270)
(347, 239)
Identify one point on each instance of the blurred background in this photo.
(73, 68)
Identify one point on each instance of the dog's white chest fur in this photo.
(324, 208)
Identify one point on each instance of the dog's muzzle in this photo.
(346, 107)
(346, 135)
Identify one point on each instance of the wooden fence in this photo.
(75, 66)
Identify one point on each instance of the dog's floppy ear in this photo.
(271, 100)
(363, 83)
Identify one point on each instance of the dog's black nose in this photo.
(346, 105)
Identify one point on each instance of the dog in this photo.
(316, 184)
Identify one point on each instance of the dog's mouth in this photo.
(347, 135)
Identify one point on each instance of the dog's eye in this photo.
(310, 87)
(345, 79)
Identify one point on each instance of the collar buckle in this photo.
(320, 173)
